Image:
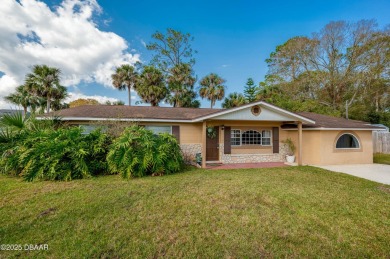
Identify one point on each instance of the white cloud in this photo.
(7, 85)
(65, 37)
(143, 42)
(99, 98)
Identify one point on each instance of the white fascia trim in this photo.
(337, 129)
(113, 119)
(272, 107)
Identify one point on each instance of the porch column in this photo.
(299, 143)
(204, 144)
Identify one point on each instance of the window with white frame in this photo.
(235, 137)
(251, 137)
(266, 138)
(159, 129)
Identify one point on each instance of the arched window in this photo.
(347, 141)
(251, 137)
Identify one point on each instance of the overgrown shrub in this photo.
(62, 154)
(139, 152)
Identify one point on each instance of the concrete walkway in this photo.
(374, 172)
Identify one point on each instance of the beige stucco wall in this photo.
(190, 133)
(319, 147)
(331, 155)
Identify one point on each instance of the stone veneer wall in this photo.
(189, 151)
(253, 158)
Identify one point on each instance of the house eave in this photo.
(115, 119)
(367, 129)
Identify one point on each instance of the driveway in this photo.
(374, 172)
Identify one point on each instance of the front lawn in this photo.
(380, 158)
(273, 212)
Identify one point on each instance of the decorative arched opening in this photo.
(347, 141)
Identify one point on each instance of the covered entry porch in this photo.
(248, 142)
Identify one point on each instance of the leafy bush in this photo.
(62, 154)
(139, 152)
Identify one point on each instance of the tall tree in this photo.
(212, 87)
(171, 49)
(58, 95)
(181, 86)
(173, 54)
(23, 97)
(233, 100)
(125, 77)
(44, 81)
(344, 65)
(151, 85)
(250, 90)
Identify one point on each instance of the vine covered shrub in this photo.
(138, 152)
(62, 154)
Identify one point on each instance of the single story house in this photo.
(253, 132)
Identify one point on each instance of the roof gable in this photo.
(268, 113)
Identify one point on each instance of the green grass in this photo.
(274, 212)
(380, 158)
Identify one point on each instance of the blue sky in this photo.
(233, 38)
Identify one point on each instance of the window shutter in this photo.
(227, 149)
(176, 132)
(275, 139)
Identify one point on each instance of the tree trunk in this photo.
(48, 104)
(129, 88)
(25, 111)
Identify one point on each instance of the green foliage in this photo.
(250, 91)
(343, 65)
(181, 86)
(380, 158)
(151, 86)
(49, 154)
(24, 98)
(171, 49)
(233, 100)
(44, 82)
(125, 77)
(139, 152)
(212, 87)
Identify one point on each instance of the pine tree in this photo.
(250, 90)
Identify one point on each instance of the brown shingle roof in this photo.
(324, 121)
(169, 113)
(132, 112)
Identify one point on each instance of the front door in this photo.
(212, 153)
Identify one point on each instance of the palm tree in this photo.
(44, 81)
(181, 85)
(151, 86)
(22, 97)
(234, 100)
(125, 77)
(59, 94)
(212, 88)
